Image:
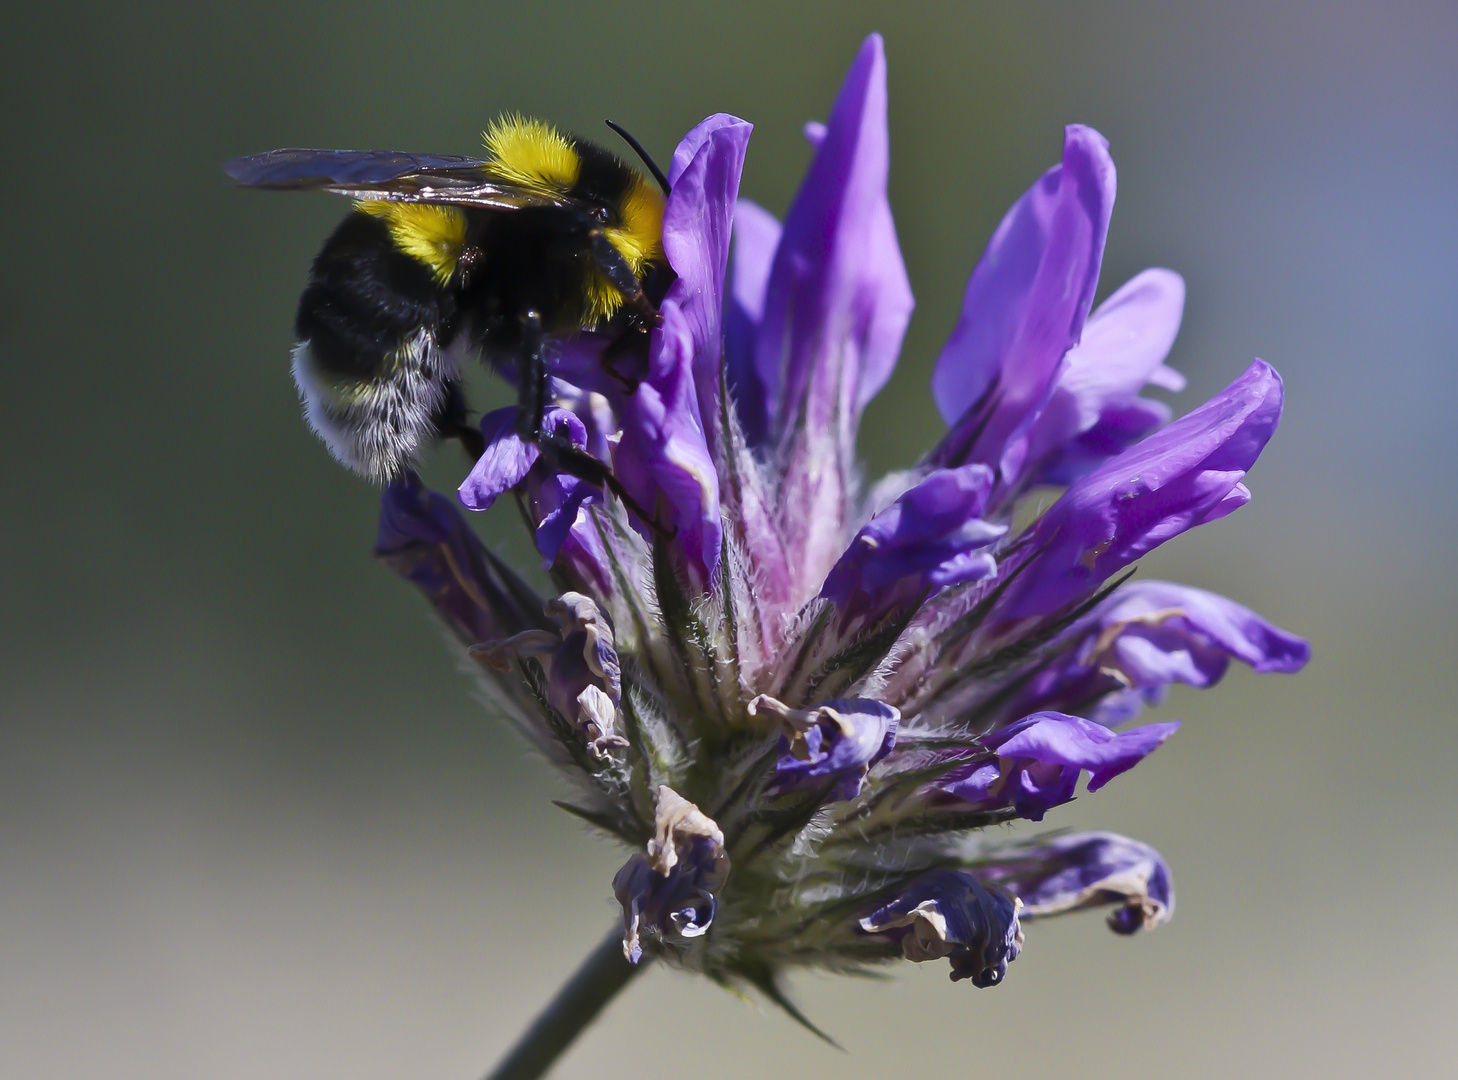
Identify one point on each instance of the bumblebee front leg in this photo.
(616, 269)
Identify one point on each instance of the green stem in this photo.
(601, 976)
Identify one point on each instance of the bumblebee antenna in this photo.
(638, 149)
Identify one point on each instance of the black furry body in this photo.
(382, 335)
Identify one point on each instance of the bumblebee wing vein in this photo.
(384, 174)
(326, 168)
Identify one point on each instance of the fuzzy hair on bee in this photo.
(546, 236)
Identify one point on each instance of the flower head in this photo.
(798, 707)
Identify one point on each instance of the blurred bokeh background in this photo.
(251, 822)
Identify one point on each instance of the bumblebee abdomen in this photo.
(364, 297)
(372, 365)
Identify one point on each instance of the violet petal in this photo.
(1024, 308)
(931, 537)
(662, 459)
(696, 231)
(1183, 475)
(1095, 411)
(1039, 759)
(838, 296)
(505, 463)
(424, 539)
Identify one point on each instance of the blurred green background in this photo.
(251, 823)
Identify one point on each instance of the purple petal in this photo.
(951, 913)
(1024, 308)
(696, 228)
(424, 539)
(1147, 635)
(559, 503)
(838, 296)
(1095, 410)
(756, 237)
(1071, 741)
(662, 459)
(1156, 632)
(931, 537)
(1086, 870)
(507, 460)
(1181, 476)
(1039, 759)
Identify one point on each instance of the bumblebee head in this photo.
(627, 206)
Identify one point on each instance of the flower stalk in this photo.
(576, 1005)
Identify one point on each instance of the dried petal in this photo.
(669, 894)
(1083, 870)
(950, 913)
(834, 743)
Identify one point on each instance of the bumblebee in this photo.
(546, 236)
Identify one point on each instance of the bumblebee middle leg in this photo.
(567, 458)
(533, 384)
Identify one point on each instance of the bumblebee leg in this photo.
(579, 463)
(532, 381)
(616, 269)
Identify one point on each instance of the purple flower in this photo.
(1085, 870)
(1035, 763)
(558, 499)
(1149, 634)
(1024, 309)
(950, 913)
(853, 695)
(1181, 476)
(931, 537)
(831, 746)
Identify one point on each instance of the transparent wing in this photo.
(385, 174)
